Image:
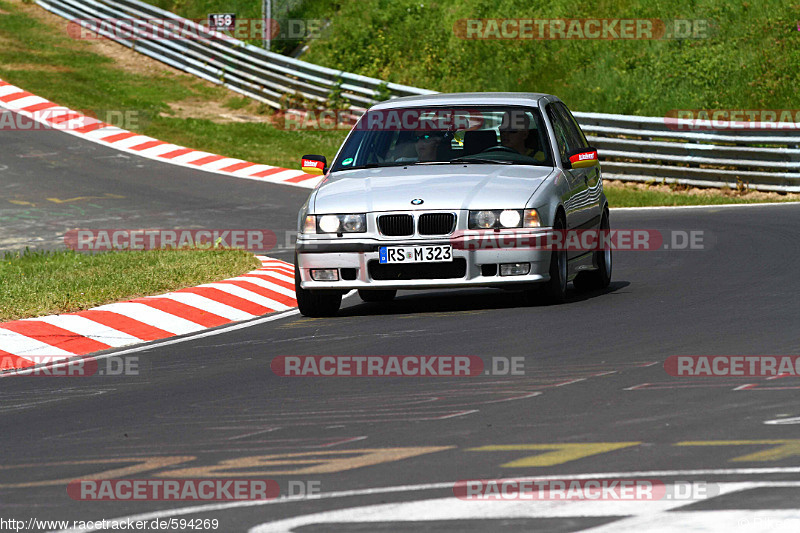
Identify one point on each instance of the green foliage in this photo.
(384, 93)
(749, 60)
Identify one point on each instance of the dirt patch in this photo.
(125, 58)
(216, 111)
(687, 190)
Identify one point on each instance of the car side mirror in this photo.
(314, 164)
(583, 158)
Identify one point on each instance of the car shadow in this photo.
(455, 300)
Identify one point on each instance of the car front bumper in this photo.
(356, 258)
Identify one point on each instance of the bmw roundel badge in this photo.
(417, 201)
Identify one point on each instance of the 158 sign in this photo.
(222, 21)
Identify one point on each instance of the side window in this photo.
(560, 130)
(578, 139)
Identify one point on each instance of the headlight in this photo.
(510, 218)
(329, 223)
(482, 219)
(355, 223)
(504, 218)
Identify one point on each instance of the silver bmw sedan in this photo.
(454, 190)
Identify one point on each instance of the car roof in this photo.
(460, 99)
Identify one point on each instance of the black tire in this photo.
(600, 278)
(382, 295)
(315, 303)
(554, 291)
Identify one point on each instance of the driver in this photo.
(426, 147)
(427, 144)
(514, 132)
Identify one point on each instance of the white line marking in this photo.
(453, 508)
(25, 101)
(529, 395)
(221, 163)
(672, 207)
(20, 345)
(207, 304)
(433, 486)
(158, 344)
(91, 329)
(5, 90)
(131, 141)
(188, 157)
(153, 317)
(729, 521)
(455, 415)
(267, 285)
(247, 295)
(783, 421)
(273, 274)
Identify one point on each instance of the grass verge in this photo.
(627, 194)
(49, 282)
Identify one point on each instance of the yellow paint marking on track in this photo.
(78, 198)
(782, 449)
(558, 454)
(22, 202)
(322, 462)
(141, 464)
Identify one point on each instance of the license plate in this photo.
(416, 254)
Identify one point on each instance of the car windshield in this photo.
(446, 135)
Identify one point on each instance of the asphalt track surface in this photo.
(52, 182)
(594, 398)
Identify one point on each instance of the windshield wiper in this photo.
(375, 165)
(481, 161)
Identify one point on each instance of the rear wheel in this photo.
(600, 278)
(315, 303)
(382, 295)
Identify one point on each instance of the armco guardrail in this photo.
(632, 148)
(247, 69)
(652, 149)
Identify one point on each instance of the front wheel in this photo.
(600, 278)
(555, 290)
(315, 303)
